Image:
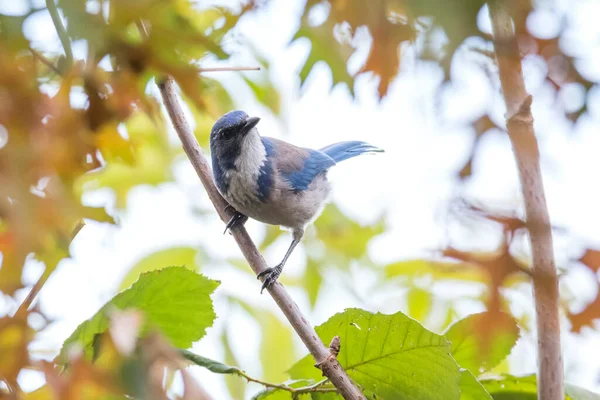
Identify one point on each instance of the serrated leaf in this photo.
(389, 356)
(175, 300)
(470, 388)
(175, 256)
(481, 341)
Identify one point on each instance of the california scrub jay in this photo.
(271, 180)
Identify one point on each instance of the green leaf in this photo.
(178, 256)
(420, 302)
(175, 300)
(481, 341)
(277, 347)
(324, 47)
(345, 236)
(213, 366)
(312, 280)
(235, 386)
(470, 388)
(265, 93)
(509, 387)
(389, 356)
(442, 270)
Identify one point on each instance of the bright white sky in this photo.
(425, 142)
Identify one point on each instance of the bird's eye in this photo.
(227, 133)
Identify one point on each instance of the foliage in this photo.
(174, 300)
(72, 126)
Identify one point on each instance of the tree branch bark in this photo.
(519, 123)
(329, 365)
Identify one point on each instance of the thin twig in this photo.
(519, 123)
(205, 362)
(220, 69)
(282, 386)
(44, 60)
(330, 366)
(35, 290)
(62, 33)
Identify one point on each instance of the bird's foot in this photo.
(270, 275)
(237, 219)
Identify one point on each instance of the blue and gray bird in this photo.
(273, 181)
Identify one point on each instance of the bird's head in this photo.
(230, 131)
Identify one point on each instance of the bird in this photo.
(273, 181)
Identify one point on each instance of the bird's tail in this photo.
(344, 150)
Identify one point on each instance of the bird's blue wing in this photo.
(296, 165)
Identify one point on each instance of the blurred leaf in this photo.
(235, 385)
(15, 335)
(276, 348)
(389, 356)
(591, 259)
(324, 47)
(384, 57)
(345, 236)
(175, 300)
(587, 316)
(481, 341)
(470, 388)
(437, 269)
(174, 256)
(420, 302)
(525, 388)
(312, 280)
(150, 165)
(265, 93)
(272, 233)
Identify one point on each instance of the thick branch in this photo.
(330, 366)
(519, 122)
(62, 33)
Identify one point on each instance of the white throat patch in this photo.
(243, 181)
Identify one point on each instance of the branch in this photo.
(62, 33)
(330, 366)
(45, 275)
(519, 123)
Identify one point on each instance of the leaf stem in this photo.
(220, 69)
(62, 33)
(226, 369)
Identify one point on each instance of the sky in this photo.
(426, 140)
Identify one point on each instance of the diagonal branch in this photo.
(329, 365)
(519, 123)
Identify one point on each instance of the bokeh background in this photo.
(380, 243)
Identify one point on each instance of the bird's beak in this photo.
(250, 123)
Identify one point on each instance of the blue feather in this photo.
(315, 163)
(344, 150)
(265, 177)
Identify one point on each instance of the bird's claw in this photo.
(236, 220)
(270, 275)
